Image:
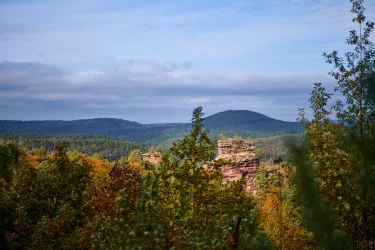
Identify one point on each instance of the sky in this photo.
(154, 61)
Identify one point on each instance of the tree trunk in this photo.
(236, 231)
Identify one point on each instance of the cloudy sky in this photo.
(155, 60)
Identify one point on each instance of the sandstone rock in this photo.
(243, 158)
(153, 158)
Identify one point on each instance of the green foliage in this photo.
(196, 147)
(223, 137)
(318, 217)
(268, 148)
(41, 152)
(276, 203)
(329, 179)
(9, 159)
(249, 140)
(135, 156)
(184, 205)
(335, 172)
(9, 155)
(238, 139)
(43, 205)
(110, 148)
(353, 74)
(152, 149)
(67, 200)
(261, 184)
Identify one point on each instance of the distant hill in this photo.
(232, 122)
(249, 120)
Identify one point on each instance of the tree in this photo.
(317, 217)
(197, 146)
(9, 158)
(335, 164)
(51, 200)
(352, 75)
(184, 203)
(135, 158)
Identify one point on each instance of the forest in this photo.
(108, 148)
(112, 149)
(322, 196)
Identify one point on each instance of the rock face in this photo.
(153, 158)
(244, 161)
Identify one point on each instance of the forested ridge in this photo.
(241, 122)
(320, 196)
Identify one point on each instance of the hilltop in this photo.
(230, 122)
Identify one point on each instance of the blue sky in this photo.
(154, 61)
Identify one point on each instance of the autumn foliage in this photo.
(68, 200)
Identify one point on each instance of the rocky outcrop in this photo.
(153, 158)
(244, 161)
(273, 165)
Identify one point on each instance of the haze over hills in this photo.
(231, 122)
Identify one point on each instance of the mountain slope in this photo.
(241, 122)
(249, 120)
(88, 126)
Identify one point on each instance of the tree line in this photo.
(109, 148)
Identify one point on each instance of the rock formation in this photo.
(153, 158)
(244, 161)
(273, 165)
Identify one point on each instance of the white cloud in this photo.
(146, 86)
